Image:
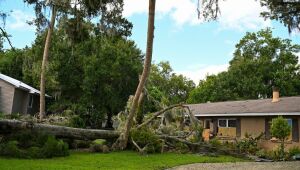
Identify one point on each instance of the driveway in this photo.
(242, 166)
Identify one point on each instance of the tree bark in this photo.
(122, 141)
(44, 63)
(13, 126)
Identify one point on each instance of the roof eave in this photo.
(249, 114)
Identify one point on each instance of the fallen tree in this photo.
(12, 126)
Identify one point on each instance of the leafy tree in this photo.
(285, 11)
(11, 62)
(281, 130)
(110, 75)
(260, 62)
(108, 10)
(214, 88)
(167, 88)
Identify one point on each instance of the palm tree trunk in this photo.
(44, 63)
(121, 143)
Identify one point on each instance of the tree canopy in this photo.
(260, 62)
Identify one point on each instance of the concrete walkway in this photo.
(242, 166)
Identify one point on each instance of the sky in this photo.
(193, 47)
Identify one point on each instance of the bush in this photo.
(1, 115)
(77, 122)
(31, 145)
(15, 116)
(281, 130)
(145, 137)
(249, 144)
(215, 143)
(55, 148)
(10, 149)
(261, 153)
(294, 151)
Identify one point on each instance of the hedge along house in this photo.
(17, 97)
(232, 120)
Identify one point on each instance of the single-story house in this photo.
(17, 97)
(231, 120)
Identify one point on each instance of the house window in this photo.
(222, 122)
(231, 123)
(30, 104)
(227, 122)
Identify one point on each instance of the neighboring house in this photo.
(233, 119)
(17, 97)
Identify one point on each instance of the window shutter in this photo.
(267, 128)
(295, 130)
(238, 127)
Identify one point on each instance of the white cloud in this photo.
(242, 14)
(181, 11)
(17, 21)
(199, 73)
(235, 14)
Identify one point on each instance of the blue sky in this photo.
(193, 47)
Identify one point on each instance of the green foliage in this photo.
(100, 141)
(286, 12)
(281, 130)
(260, 62)
(11, 62)
(165, 87)
(215, 143)
(2, 115)
(77, 122)
(32, 145)
(294, 151)
(249, 144)
(145, 137)
(15, 115)
(55, 148)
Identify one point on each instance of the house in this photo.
(17, 97)
(232, 120)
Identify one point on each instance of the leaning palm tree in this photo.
(122, 141)
(45, 61)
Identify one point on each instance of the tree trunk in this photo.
(44, 63)
(109, 123)
(14, 126)
(121, 143)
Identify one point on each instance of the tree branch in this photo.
(158, 113)
(6, 36)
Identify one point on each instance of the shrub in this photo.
(261, 153)
(10, 149)
(31, 145)
(15, 116)
(54, 148)
(77, 122)
(35, 152)
(249, 144)
(281, 130)
(294, 151)
(145, 137)
(1, 115)
(215, 143)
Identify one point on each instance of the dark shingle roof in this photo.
(261, 106)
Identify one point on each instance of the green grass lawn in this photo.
(114, 160)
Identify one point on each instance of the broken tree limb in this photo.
(156, 114)
(9, 126)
